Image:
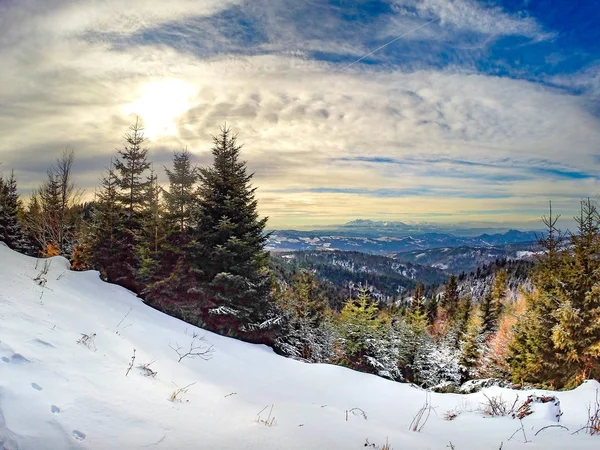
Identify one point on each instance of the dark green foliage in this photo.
(10, 229)
(227, 247)
(218, 265)
(181, 196)
(450, 298)
(130, 167)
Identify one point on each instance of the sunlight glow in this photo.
(159, 105)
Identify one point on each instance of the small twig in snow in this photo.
(131, 363)
(550, 426)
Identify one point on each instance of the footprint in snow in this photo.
(44, 343)
(78, 435)
(36, 386)
(16, 358)
(54, 409)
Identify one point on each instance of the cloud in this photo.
(377, 140)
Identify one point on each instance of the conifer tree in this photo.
(181, 194)
(532, 355)
(306, 332)
(130, 168)
(10, 229)
(418, 300)
(129, 173)
(432, 309)
(463, 317)
(450, 298)
(576, 334)
(226, 254)
(359, 324)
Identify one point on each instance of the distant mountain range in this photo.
(369, 238)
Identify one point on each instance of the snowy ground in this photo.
(58, 394)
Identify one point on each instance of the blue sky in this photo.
(472, 111)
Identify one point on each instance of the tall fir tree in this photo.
(181, 195)
(130, 169)
(532, 357)
(576, 334)
(226, 253)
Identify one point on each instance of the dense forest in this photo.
(195, 249)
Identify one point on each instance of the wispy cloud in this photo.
(428, 126)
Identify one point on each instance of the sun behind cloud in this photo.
(159, 104)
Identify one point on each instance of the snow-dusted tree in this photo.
(307, 331)
(360, 326)
(227, 264)
(437, 364)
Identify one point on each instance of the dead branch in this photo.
(550, 426)
(422, 416)
(131, 363)
(196, 350)
(520, 429)
(175, 395)
(354, 412)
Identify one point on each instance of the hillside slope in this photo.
(58, 394)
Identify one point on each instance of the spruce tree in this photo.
(181, 194)
(576, 334)
(10, 229)
(418, 299)
(129, 173)
(532, 356)
(450, 298)
(227, 257)
(359, 324)
(130, 168)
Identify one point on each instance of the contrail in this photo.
(391, 42)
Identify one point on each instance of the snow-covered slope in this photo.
(58, 394)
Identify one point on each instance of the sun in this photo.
(159, 104)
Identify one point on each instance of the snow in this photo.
(58, 394)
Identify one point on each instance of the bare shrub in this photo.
(592, 426)
(269, 421)
(356, 412)
(87, 340)
(146, 370)
(179, 391)
(420, 419)
(198, 349)
(497, 407)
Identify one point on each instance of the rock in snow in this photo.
(66, 346)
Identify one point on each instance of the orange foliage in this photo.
(50, 250)
(493, 362)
